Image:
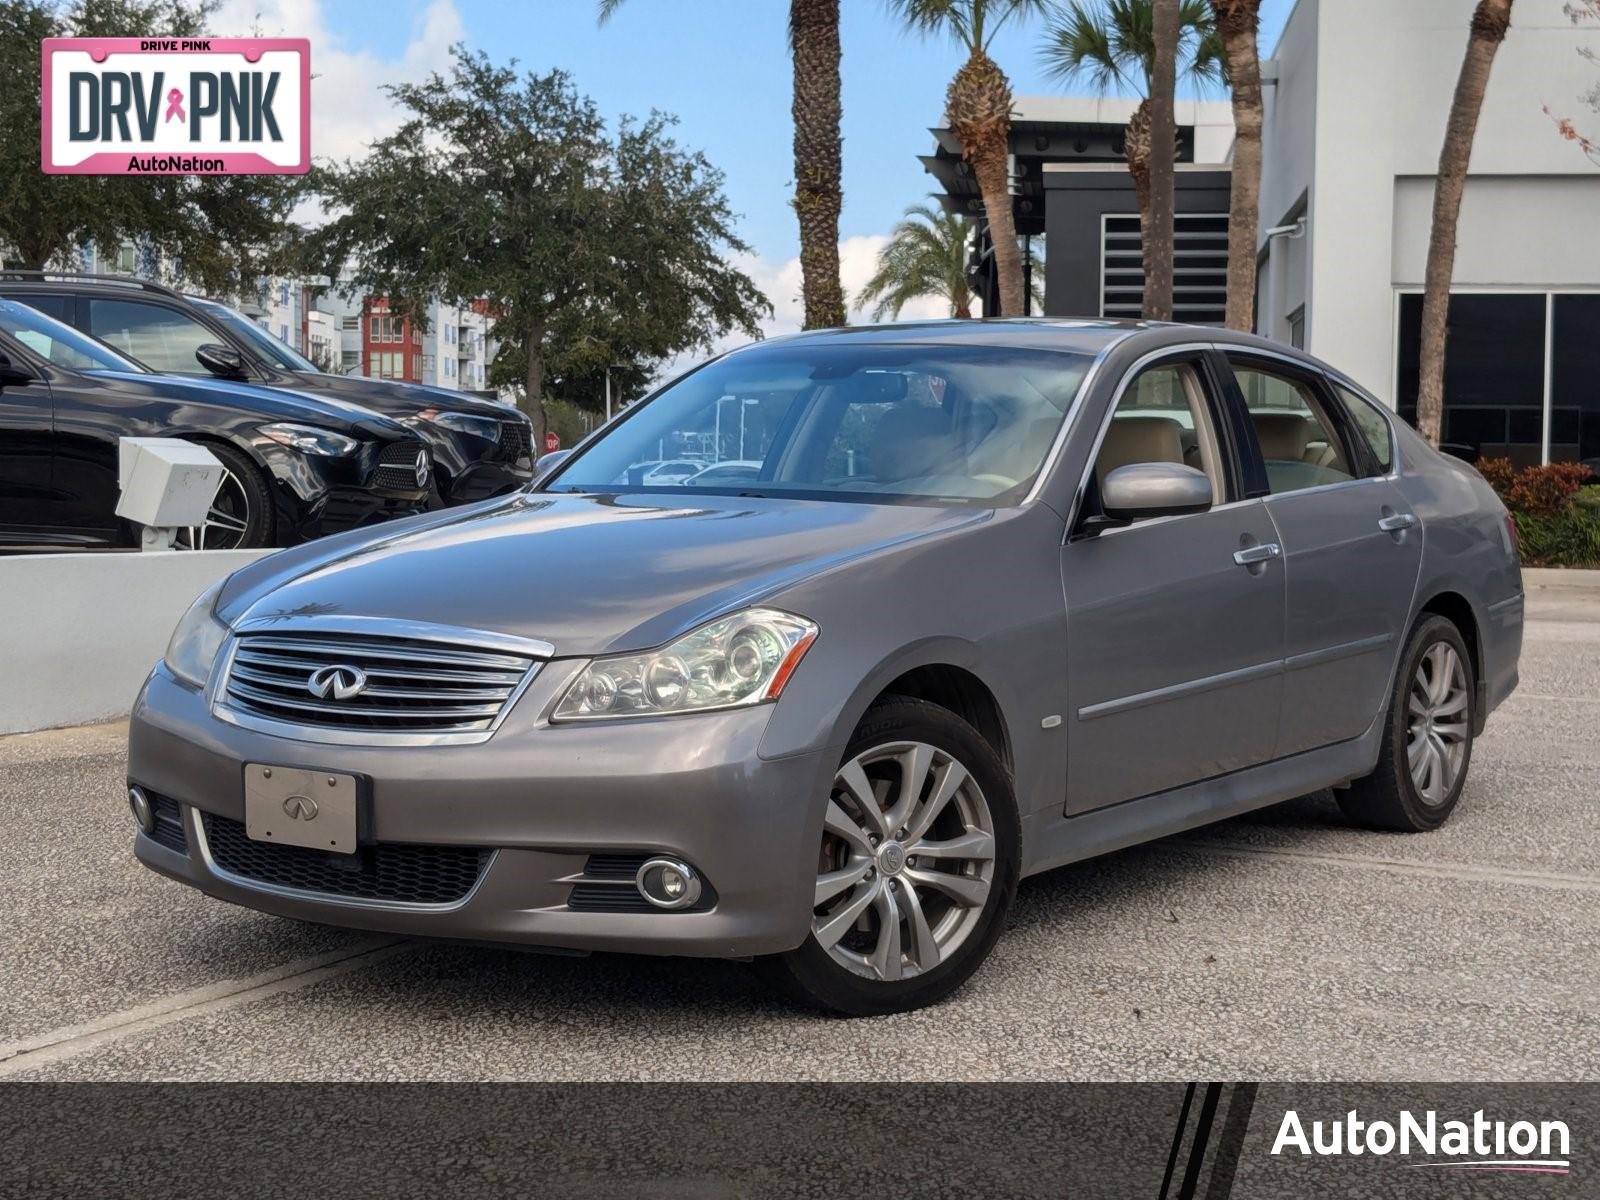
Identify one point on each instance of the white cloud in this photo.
(349, 109)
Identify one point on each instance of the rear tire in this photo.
(913, 884)
(1427, 737)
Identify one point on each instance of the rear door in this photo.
(1351, 544)
(1174, 624)
(27, 448)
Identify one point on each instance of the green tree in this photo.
(926, 255)
(978, 111)
(1237, 22)
(224, 231)
(818, 159)
(587, 248)
(1110, 44)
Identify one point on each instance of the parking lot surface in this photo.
(1284, 945)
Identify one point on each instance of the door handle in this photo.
(1395, 522)
(1250, 555)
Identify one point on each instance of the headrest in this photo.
(1282, 436)
(911, 440)
(1139, 440)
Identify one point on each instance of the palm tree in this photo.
(978, 111)
(818, 191)
(1158, 235)
(1111, 43)
(926, 255)
(1237, 22)
(1490, 20)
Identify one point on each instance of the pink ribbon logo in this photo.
(175, 105)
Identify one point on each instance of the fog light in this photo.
(143, 814)
(668, 883)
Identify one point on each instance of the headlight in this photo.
(196, 640)
(310, 440)
(746, 658)
(486, 428)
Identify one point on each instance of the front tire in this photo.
(918, 864)
(241, 512)
(1427, 738)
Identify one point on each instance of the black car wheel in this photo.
(241, 512)
(917, 866)
(1427, 738)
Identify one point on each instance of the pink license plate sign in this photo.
(176, 106)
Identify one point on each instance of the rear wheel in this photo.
(1427, 742)
(916, 869)
(240, 517)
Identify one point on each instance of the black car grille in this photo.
(388, 871)
(413, 685)
(608, 886)
(516, 441)
(397, 467)
(169, 824)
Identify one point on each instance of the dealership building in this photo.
(1357, 93)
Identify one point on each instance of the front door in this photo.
(1175, 624)
(26, 449)
(1351, 547)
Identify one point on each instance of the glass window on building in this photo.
(1575, 379)
(1493, 373)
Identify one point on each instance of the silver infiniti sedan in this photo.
(1000, 596)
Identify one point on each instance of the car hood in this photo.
(589, 574)
(399, 399)
(274, 404)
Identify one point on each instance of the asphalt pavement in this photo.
(1284, 945)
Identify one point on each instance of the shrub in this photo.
(1556, 510)
(1546, 490)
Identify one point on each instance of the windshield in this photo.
(842, 422)
(60, 344)
(276, 352)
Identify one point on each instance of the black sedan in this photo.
(479, 448)
(297, 466)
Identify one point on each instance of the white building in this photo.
(1355, 122)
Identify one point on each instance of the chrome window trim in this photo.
(216, 692)
(197, 833)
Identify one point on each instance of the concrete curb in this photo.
(1560, 577)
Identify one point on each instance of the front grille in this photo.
(412, 685)
(397, 466)
(169, 824)
(391, 871)
(608, 886)
(516, 441)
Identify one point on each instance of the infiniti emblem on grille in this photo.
(340, 682)
(300, 808)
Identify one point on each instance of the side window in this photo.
(161, 338)
(1163, 417)
(50, 306)
(1299, 444)
(1371, 423)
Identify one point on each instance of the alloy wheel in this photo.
(1437, 723)
(907, 861)
(227, 521)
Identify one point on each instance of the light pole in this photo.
(744, 404)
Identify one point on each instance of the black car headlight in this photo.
(738, 660)
(486, 428)
(308, 439)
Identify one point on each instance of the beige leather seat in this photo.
(1290, 437)
(912, 441)
(1139, 440)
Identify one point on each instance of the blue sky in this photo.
(721, 66)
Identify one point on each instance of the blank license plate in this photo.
(315, 809)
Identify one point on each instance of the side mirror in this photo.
(548, 463)
(223, 361)
(1154, 489)
(11, 373)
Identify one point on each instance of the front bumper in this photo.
(316, 495)
(542, 799)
